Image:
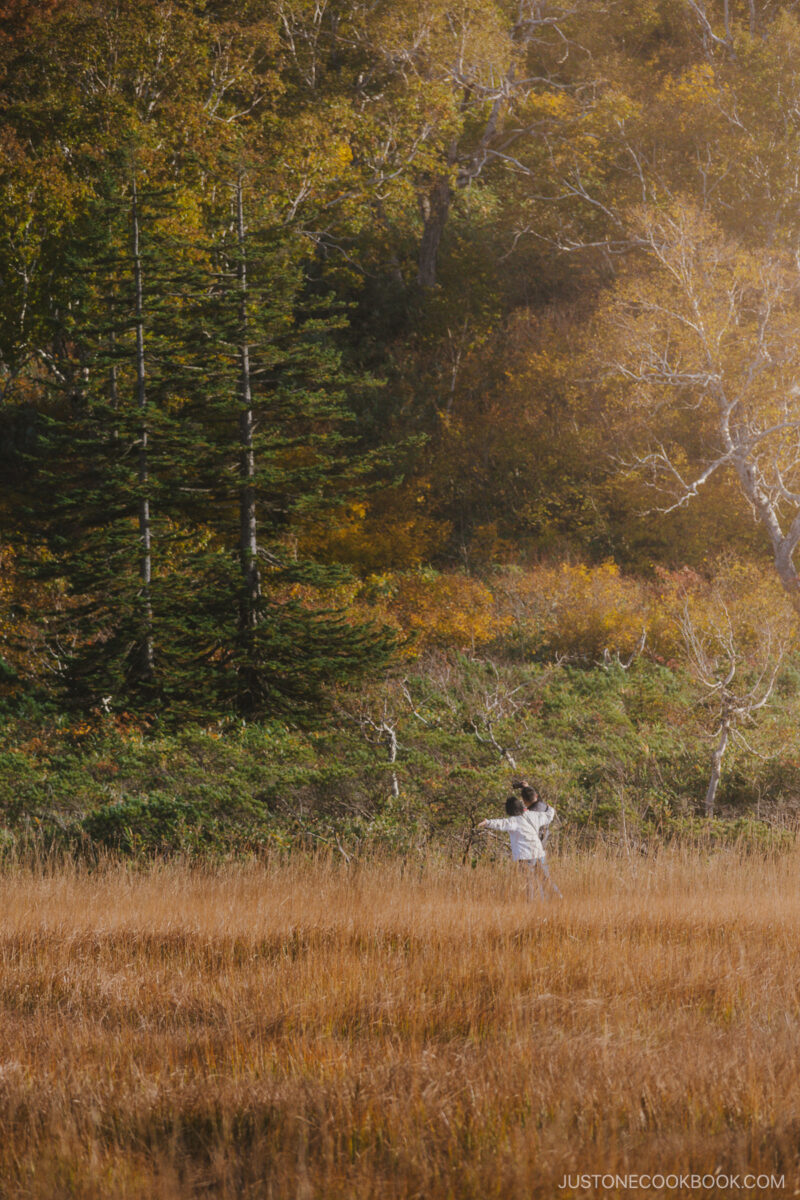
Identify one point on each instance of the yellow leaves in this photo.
(690, 108)
(578, 610)
(317, 599)
(447, 610)
(37, 193)
(697, 85)
(429, 40)
(324, 159)
(738, 602)
(372, 536)
(587, 612)
(700, 327)
(77, 732)
(488, 546)
(558, 104)
(182, 218)
(342, 155)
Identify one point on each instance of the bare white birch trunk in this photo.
(716, 765)
(145, 560)
(248, 542)
(248, 539)
(391, 742)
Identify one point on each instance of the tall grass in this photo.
(311, 1029)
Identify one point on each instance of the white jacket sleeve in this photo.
(504, 823)
(540, 819)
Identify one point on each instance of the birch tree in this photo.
(705, 359)
(736, 637)
(435, 98)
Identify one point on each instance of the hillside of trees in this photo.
(398, 397)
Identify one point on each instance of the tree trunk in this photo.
(113, 391)
(716, 765)
(435, 210)
(436, 204)
(248, 542)
(783, 544)
(145, 563)
(391, 744)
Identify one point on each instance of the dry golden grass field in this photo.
(322, 1030)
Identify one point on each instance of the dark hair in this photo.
(514, 806)
(527, 791)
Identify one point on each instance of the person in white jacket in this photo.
(533, 803)
(523, 827)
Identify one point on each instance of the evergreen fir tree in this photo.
(271, 419)
(107, 439)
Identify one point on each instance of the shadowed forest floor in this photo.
(384, 1030)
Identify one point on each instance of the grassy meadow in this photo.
(314, 1029)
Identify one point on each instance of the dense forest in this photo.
(398, 396)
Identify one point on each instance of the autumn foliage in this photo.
(446, 349)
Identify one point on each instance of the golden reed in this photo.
(387, 1031)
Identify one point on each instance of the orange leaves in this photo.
(22, 651)
(575, 611)
(394, 531)
(447, 610)
(739, 603)
(578, 611)
(428, 609)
